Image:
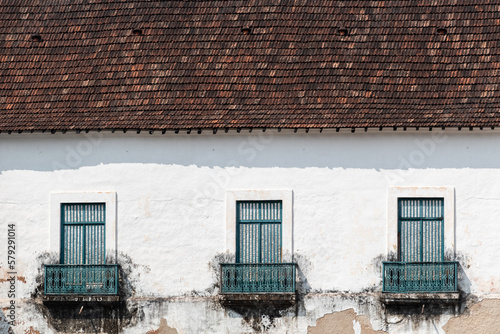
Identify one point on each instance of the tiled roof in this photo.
(79, 64)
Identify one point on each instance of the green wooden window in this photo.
(421, 229)
(258, 231)
(83, 233)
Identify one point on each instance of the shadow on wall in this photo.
(379, 151)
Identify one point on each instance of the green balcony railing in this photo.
(405, 277)
(99, 279)
(258, 277)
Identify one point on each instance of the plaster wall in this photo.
(171, 195)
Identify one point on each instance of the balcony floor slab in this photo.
(420, 297)
(249, 298)
(81, 298)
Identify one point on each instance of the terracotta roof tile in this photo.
(302, 63)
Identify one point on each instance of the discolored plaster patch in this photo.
(31, 330)
(7, 279)
(343, 323)
(481, 318)
(164, 328)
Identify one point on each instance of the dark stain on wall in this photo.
(432, 310)
(260, 316)
(214, 265)
(260, 310)
(89, 316)
(424, 311)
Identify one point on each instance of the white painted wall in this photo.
(171, 192)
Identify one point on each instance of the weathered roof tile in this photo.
(307, 63)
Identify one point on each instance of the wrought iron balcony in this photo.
(410, 277)
(258, 278)
(66, 279)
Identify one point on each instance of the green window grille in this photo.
(259, 267)
(421, 229)
(421, 266)
(83, 233)
(258, 236)
(83, 268)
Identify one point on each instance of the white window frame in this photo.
(286, 198)
(448, 195)
(107, 197)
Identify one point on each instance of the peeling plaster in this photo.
(180, 279)
(482, 318)
(345, 322)
(164, 328)
(31, 330)
(19, 278)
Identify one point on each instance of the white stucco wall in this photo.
(171, 205)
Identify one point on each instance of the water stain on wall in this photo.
(89, 316)
(343, 322)
(256, 311)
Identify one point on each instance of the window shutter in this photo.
(258, 231)
(83, 233)
(421, 230)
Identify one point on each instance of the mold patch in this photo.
(214, 265)
(89, 316)
(304, 266)
(345, 322)
(259, 314)
(256, 310)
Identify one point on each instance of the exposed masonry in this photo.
(344, 322)
(481, 317)
(18, 278)
(164, 328)
(31, 330)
